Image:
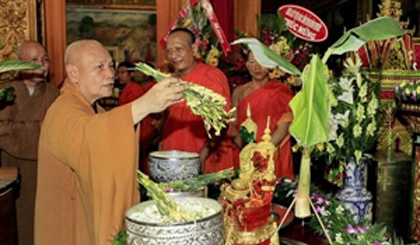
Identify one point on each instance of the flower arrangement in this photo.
(407, 92)
(355, 116)
(337, 219)
(198, 23)
(274, 34)
(312, 105)
(202, 101)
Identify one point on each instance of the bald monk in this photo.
(88, 157)
(266, 98)
(183, 130)
(20, 125)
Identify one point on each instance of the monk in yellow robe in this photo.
(183, 130)
(88, 157)
(266, 99)
(20, 125)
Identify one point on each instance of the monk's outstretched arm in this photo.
(157, 99)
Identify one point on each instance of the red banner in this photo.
(303, 23)
(208, 9)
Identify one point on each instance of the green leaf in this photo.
(247, 137)
(377, 29)
(311, 105)
(7, 94)
(17, 65)
(266, 57)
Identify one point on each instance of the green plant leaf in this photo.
(6, 94)
(17, 65)
(311, 105)
(266, 57)
(377, 29)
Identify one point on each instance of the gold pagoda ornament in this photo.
(397, 53)
(249, 128)
(247, 201)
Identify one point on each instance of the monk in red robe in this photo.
(265, 98)
(131, 92)
(20, 125)
(88, 157)
(183, 130)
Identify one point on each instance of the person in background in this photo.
(132, 90)
(88, 157)
(183, 130)
(20, 125)
(266, 99)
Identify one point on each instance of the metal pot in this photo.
(198, 193)
(167, 166)
(206, 231)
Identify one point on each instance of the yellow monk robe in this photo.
(86, 173)
(270, 100)
(186, 132)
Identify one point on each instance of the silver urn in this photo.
(205, 231)
(167, 166)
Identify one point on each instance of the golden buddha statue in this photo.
(247, 200)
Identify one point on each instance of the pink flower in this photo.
(319, 209)
(363, 229)
(351, 230)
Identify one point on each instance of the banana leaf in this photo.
(377, 29)
(17, 65)
(14, 65)
(311, 105)
(266, 57)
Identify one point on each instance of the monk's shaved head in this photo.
(26, 45)
(76, 49)
(186, 34)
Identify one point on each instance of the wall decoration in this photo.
(130, 32)
(140, 4)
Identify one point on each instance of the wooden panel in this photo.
(17, 24)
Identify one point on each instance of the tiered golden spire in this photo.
(392, 8)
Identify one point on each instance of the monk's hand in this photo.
(165, 93)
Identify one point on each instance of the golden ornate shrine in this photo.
(393, 62)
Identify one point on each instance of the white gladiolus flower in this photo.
(347, 96)
(346, 83)
(342, 119)
(353, 66)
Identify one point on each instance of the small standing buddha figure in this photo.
(247, 201)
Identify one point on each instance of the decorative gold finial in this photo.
(248, 111)
(267, 132)
(249, 124)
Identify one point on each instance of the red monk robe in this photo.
(86, 173)
(131, 92)
(185, 131)
(270, 100)
(147, 131)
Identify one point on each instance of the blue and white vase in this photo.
(357, 199)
